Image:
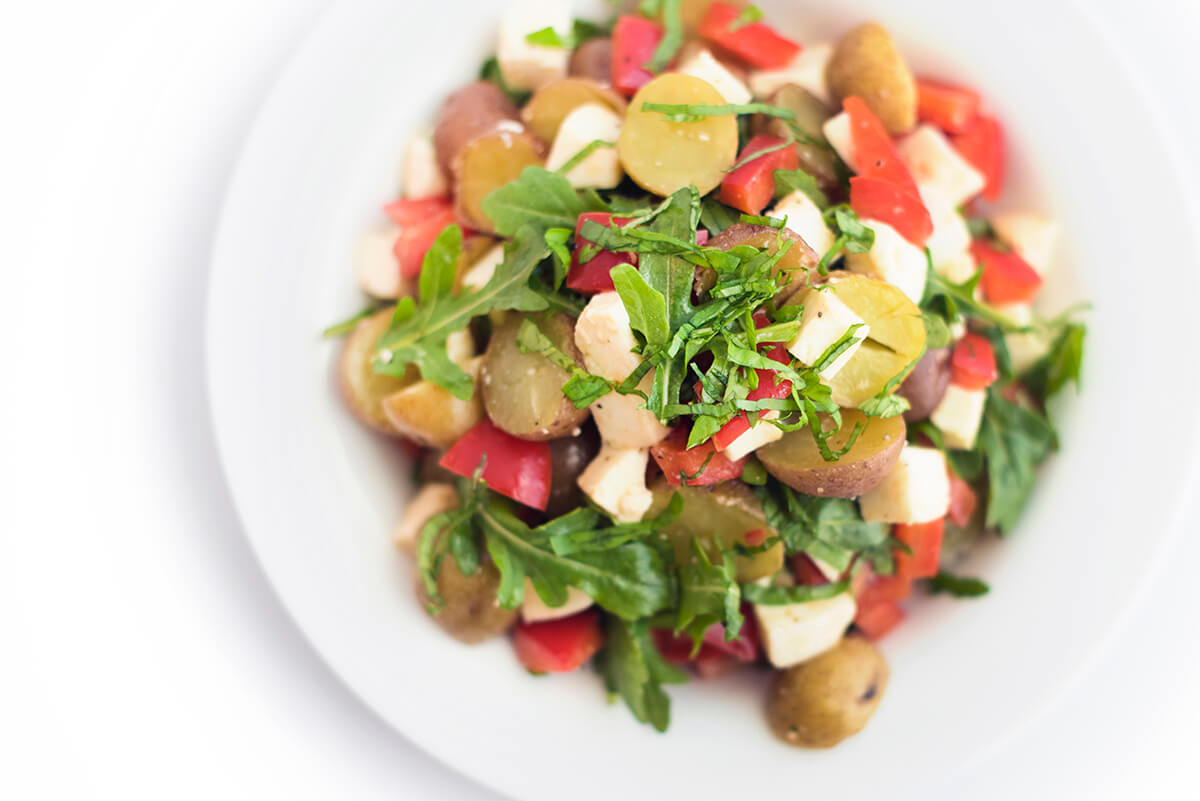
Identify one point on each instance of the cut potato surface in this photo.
(485, 165)
(796, 461)
(551, 104)
(431, 415)
(362, 387)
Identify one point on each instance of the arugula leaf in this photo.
(582, 388)
(749, 15)
(941, 291)
(781, 596)
(708, 594)
(958, 586)
(1061, 365)
(830, 529)
(490, 71)
(539, 198)
(580, 531)
(672, 40)
(716, 216)
(349, 324)
(852, 235)
(695, 112)
(548, 37)
(633, 668)
(646, 306)
(1013, 441)
(937, 332)
(789, 181)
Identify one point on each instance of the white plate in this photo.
(318, 494)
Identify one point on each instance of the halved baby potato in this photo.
(796, 460)
(430, 415)
(487, 163)
(551, 104)
(362, 387)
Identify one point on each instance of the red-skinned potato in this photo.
(592, 60)
(796, 461)
(926, 385)
(471, 112)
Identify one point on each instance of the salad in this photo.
(712, 348)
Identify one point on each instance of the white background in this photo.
(141, 653)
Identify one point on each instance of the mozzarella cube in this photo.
(805, 220)
(534, 609)
(423, 176)
(950, 241)
(761, 433)
(375, 264)
(525, 65)
(623, 422)
(1023, 349)
(605, 338)
(917, 490)
(430, 501)
(794, 633)
(841, 138)
(959, 415)
(934, 161)
(807, 70)
(582, 126)
(704, 65)
(616, 481)
(892, 259)
(479, 273)
(826, 319)
(1032, 236)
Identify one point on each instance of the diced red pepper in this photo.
(806, 572)
(594, 276)
(558, 646)
(517, 468)
(884, 589)
(879, 199)
(416, 239)
(962, 501)
(701, 237)
(755, 537)
(1007, 278)
(949, 107)
(751, 186)
(982, 144)
(973, 363)
(676, 460)
(757, 44)
(410, 212)
(876, 621)
(874, 149)
(767, 389)
(743, 648)
(634, 40)
(925, 542)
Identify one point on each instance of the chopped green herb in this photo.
(749, 16)
(349, 324)
(695, 112)
(673, 35)
(958, 586)
(581, 156)
(766, 151)
(788, 181)
(583, 388)
(491, 72)
(781, 596)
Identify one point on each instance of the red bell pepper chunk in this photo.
(874, 149)
(515, 467)
(925, 542)
(416, 239)
(756, 43)
(751, 186)
(412, 211)
(676, 461)
(1007, 278)
(884, 589)
(973, 363)
(963, 501)
(982, 144)
(806, 572)
(634, 40)
(768, 388)
(594, 276)
(558, 646)
(888, 202)
(949, 107)
(877, 620)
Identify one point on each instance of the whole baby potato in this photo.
(362, 388)
(796, 461)
(470, 614)
(471, 112)
(592, 60)
(866, 63)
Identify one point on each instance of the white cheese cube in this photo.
(479, 273)
(704, 65)
(761, 433)
(805, 220)
(917, 490)
(826, 319)
(523, 64)
(794, 633)
(616, 481)
(431, 500)
(841, 138)
(958, 270)
(375, 264)
(605, 338)
(934, 161)
(623, 422)
(1024, 349)
(423, 176)
(807, 70)
(1032, 236)
(534, 609)
(892, 259)
(950, 241)
(582, 126)
(958, 329)
(959, 414)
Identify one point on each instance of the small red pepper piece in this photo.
(1007, 278)
(593, 276)
(949, 107)
(925, 542)
(757, 43)
(677, 460)
(517, 468)
(634, 40)
(417, 238)
(558, 646)
(751, 186)
(973, 363)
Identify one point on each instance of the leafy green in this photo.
(937, 332)
(582, 388)
(716, 216)
(587, 150)
(749, 16)
(633, 668)
(788, 181)
(349, 324)
(695, 112)
(1061, 365)
(1013, 441)
(852, 235)
(757, 154)
(958, 586)
(581, 31)
(673, 35)
(953, 300)
(491, 72)
(829, 529)
(780, 596)
(646, 306)
(539, 198)
(708, 594)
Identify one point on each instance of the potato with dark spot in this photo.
(821, 702)
(866, 63)
(926, 385)
(816, 156)
(799, 263)
(796, 461)
(522, 392)
(592, 60)
(362, 387)
(470, 612)
(487, 163)
(473, 111)
(569, 457)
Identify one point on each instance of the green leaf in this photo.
(886, 406)
(1014, 441)
(716, 216)
(708, 594)
(749, 157)
(539, 198)
(830, 529)
(633, 669)
(695, 112)
(349, 324)
(587, 150)
(781, 596)
(958, 586)
(941, 291)
(789, 181)
(672, 40)
(582, 388)
(556, 239)
(548, 37)
(749, 16)
(1061, 365)
(646, 306)
(937, 333)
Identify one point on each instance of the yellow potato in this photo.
(430, 415)
(866, 63)
(362, 387)
(486, 164)
(664, 157)
(551, 104)
(796, 461)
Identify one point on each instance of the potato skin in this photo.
(926, 385)
(796, 461)
(592, 60)
(569, 457)
(470, 112)
(471, 613)
(800, 262)
(362, 388)
(867, 63)
(823, 701)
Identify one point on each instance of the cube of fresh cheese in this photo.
(826, 319)
(806, 70)
(479, 273)
(841, 138)
(605, 338)
(534, 609)
(430, 501)
(1032, 236)
(423, 176)
(582, 126)
(1024, 349)
(375, 264)
(623, 422)
(934, 161)
(761, 433)
(917, 490)
(958, 270)
(526, 65)
(616, 481)
(805, 220)
(794, 633)
(702, 64)
(892, 259)
(959, 415)
(950, 241)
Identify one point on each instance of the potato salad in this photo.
(712, 348)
